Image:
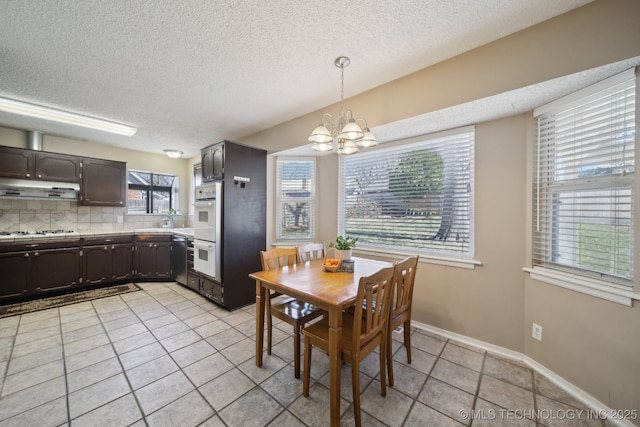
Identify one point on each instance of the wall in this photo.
(591, 343)
(37, 215)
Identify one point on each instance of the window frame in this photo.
(398, 149)
(149, 189)
(544, 267)
(311, 199)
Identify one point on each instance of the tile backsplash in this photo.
(39, 215)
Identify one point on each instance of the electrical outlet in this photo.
(536, 332)
(120, 219)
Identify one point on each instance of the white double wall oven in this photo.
(207, 230)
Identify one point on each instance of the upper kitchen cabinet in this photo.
(57, 167)
(30, 164)
(17, 163)
(213, 162)
(103, 183)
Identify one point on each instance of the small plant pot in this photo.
(345, 253)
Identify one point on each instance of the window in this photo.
(150, 192)
(296, 183)
(416, 197)
(583, 189)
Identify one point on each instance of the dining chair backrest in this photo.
(405, 276)
(372, 308)
(278, 257)
(310, 251)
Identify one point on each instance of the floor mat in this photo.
(60, 300)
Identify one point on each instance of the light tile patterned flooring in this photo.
(165, 356)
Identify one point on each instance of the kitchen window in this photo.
(295, 198)
(583, 185)
(153, 193)
(413, 198)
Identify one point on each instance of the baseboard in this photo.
(574, 391)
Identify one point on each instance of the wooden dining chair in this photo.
(310, 251)
(400, 311)
(290, 310)
(362, 332)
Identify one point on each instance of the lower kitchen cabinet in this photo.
(212, 290)
(55, 269)
(122, 262)
(153, 257)
(31, 269)
(15, 274)
(107, 263)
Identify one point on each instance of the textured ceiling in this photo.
(188, 73)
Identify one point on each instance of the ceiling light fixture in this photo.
(174, 154)
(40, 112)
(347, 134)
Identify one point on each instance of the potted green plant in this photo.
(168, 221)
(344, 245)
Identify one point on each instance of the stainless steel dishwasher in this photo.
(179, 259)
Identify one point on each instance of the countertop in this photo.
(85, 234)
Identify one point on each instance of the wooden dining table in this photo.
(333, 292)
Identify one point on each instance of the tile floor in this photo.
(165, 356)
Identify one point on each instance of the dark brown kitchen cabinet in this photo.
(213, 162)
(17, 163)
(41, 165)
(103, 183)
(15, 274)
(57, 167)
(107, 263)
(121, 262)
(55, 269)
(153, 257)
(38, 267)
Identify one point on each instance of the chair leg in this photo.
(307, 367)
(355, 384)
(296, 351)
(390, 358)
(269, 324)
(407, 338)
(383, 368)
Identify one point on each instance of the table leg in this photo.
(335, 363)
(261, 294)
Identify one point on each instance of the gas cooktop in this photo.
(35, 233)
(40, 233)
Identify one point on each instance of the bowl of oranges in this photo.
(332, 261)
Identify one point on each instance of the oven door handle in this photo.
(200, 245)
(203, 204)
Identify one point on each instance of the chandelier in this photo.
(346, 133)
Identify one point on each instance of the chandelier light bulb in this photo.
(344, 132)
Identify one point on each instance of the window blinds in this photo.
(583, 218)
(416, 197)
(295, 196)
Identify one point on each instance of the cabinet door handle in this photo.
(35, 245)
(26, 255)
(108, 240)
(39, 176)
(36, 254)
(106, 248)
(28, 175)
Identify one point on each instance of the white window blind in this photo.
(583, 218)
(295, 196)
(416, 197)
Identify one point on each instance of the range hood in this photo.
(34, 189)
